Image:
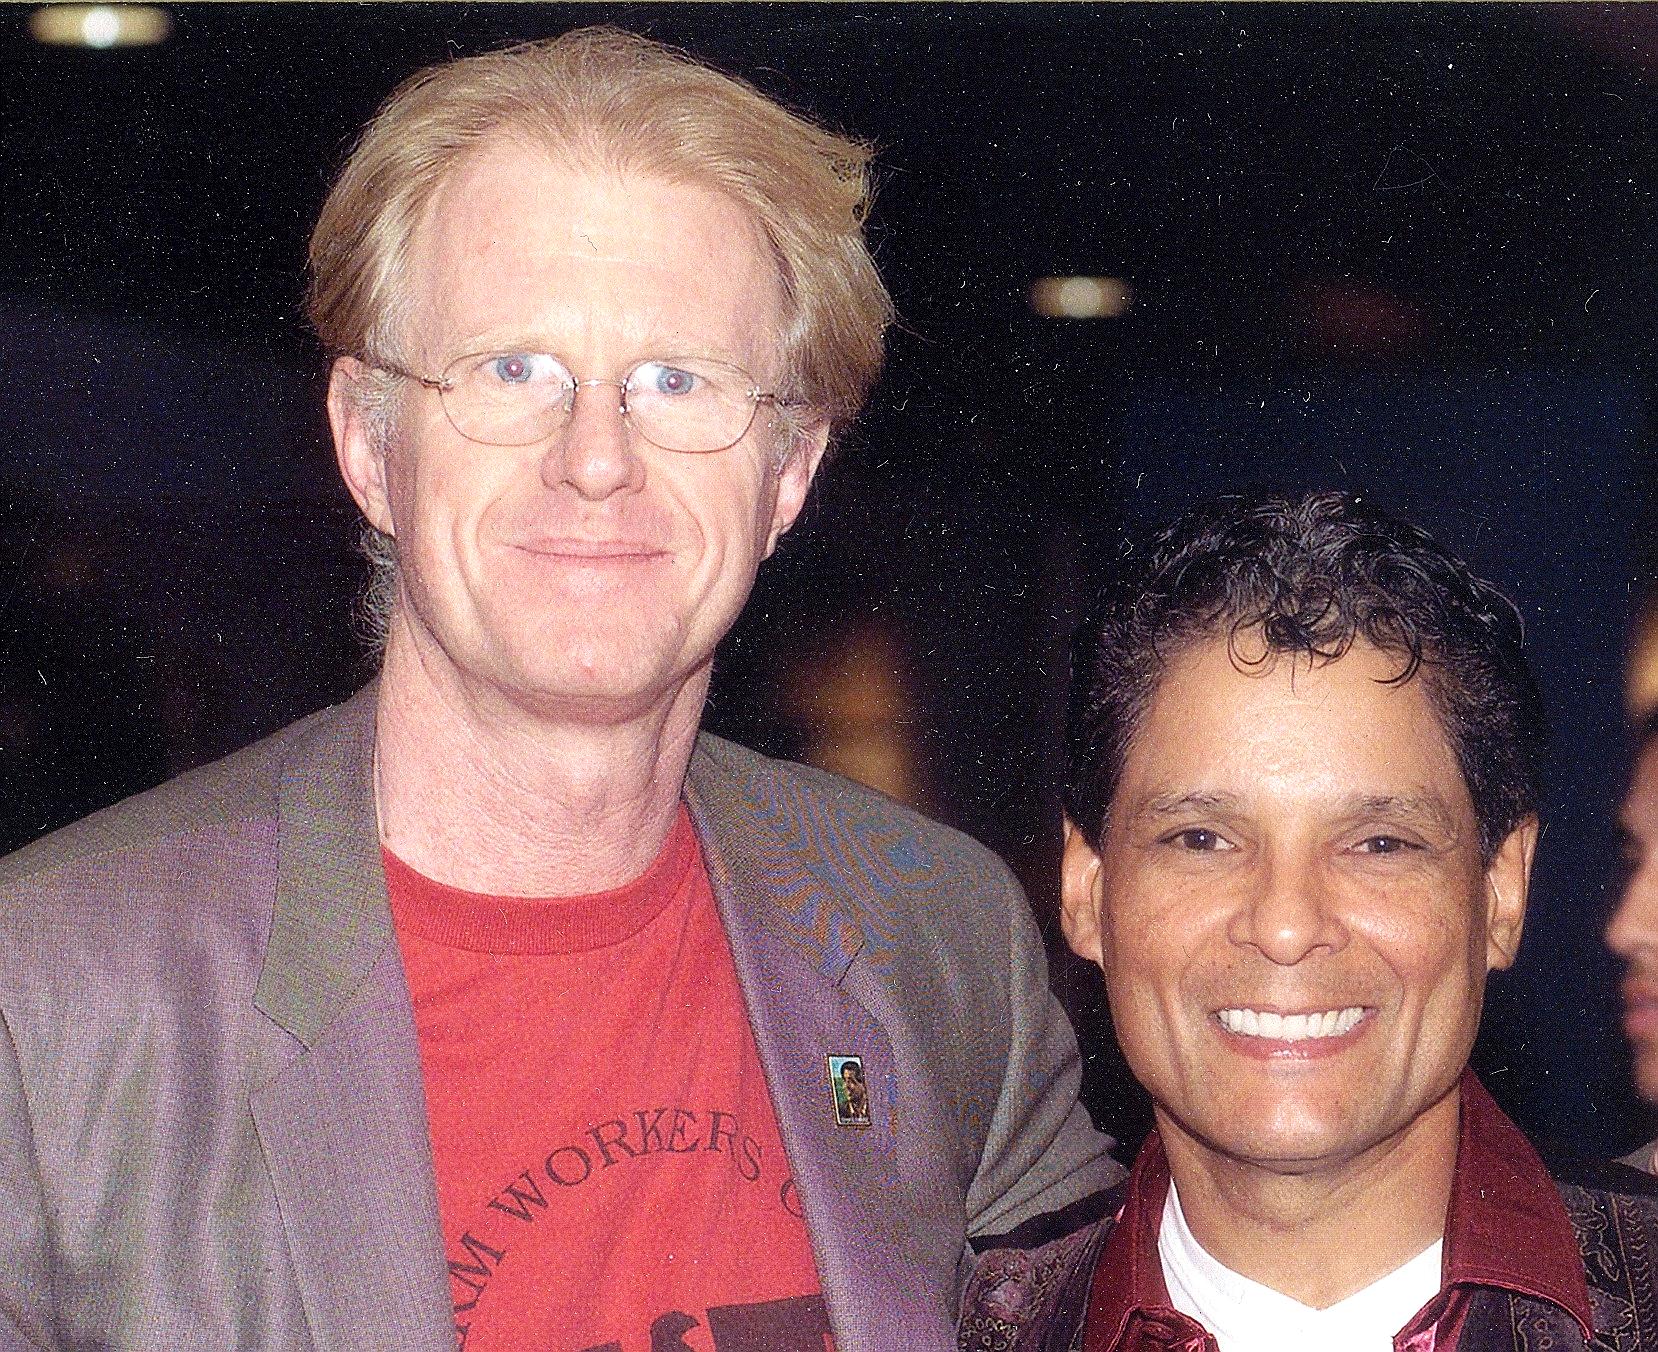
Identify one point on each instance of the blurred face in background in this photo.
(1633, 931)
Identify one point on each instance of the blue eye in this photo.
(514, 368)
(672, 380)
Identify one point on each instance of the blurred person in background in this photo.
(1301, 810)
(1632, 933)
(497, 1007)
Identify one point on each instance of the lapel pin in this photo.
(850, 1091)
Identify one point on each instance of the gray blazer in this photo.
(212, 1125)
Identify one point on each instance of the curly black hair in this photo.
(1309, 575)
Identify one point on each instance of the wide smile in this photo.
(1271, 1032)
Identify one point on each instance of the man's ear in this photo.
(1507, 881)
(358, 451)
(794, 477)
(1080, 896)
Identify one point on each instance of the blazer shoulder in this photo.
(787, 791)
(239, 788)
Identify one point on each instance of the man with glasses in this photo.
(496, 1006)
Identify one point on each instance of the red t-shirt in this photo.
(609, 1170)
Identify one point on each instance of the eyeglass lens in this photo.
(689, 404)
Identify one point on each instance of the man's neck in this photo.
(482, 793)
(1321, 1235)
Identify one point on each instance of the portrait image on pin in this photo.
(850, 1090)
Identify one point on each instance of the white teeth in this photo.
(1290, 1027)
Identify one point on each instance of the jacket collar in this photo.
(331, 923)
(783, 877)
(796, 888)
(361, 1221)
(1506, 1229)
(796, 870)
(1128, 1282)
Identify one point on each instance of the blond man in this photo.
(495, 1007)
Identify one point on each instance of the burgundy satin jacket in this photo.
(1532, 1262)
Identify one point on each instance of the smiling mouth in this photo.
(591, 549)
(1269, 1024)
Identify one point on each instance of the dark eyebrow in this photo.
(1174, 803)
(1428, 807)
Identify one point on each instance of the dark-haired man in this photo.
(1301, 810)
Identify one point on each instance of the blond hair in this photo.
(612, 98)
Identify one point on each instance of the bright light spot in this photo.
(1080, 297)
(100, 25)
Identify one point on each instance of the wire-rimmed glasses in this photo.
(693, 405)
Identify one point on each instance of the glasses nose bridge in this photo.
(576, 386)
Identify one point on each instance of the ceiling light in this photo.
(1080, 297)
(100, 25)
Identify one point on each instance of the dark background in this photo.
(1401, 248)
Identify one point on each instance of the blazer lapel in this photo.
(343, 1124)
(793, 940)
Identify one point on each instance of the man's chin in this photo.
(1290, 1156)
(1274, 1143)
(611, 687)
(602, 666)
(599, 702)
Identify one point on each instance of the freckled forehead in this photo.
(517, 243)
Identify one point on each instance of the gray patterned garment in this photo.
(212, 1118)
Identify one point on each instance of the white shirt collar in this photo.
(1245, 1316)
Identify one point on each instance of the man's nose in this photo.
(593, 450)
(1289, 911)
(1633, 927)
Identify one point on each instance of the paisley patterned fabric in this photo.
(1035, 1300)
(1616, 1234)
(1032, 1300)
